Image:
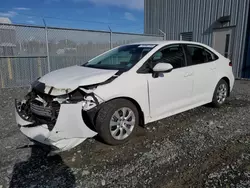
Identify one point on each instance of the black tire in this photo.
(102, 123)
(215, 103)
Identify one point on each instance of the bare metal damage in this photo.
(56, 120)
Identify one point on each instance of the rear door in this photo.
(203, 63)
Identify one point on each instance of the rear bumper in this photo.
(69, 130)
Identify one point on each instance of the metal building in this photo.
(7, 38)
(222, 24)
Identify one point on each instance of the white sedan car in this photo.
(115, 92)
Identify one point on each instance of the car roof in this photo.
(168, 42)
(165, 42)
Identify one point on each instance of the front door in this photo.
(170, 92)
(222, 41)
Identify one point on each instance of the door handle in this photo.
(188, 74)
(212, 68)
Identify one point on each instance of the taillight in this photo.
(230, 64)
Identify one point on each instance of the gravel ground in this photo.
(203, 147)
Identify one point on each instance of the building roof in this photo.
(5, 20)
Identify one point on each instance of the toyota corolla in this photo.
(121, 89)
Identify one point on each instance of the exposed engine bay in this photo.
(40, 107)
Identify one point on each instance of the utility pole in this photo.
(110, 40)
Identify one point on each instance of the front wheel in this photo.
(220, 94)
(116, 121)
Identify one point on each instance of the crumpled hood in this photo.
(75, 76)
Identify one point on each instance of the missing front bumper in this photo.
(69, 130)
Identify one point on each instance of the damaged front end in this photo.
(60, 120)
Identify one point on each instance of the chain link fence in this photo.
(29, 52)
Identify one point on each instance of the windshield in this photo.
(122, 58)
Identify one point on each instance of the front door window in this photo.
(173, 55)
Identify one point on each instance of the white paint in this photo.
(168, 94)
(69, 131)
(170, 91)
(173, 92)
(71, 115)
(71, 78)
(162, 67)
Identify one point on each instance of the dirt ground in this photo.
(204, 147)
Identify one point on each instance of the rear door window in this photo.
(199, 55)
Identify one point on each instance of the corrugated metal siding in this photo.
(197, 16)
(247, 60)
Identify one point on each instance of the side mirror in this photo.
(162, 67)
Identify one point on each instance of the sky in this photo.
(118, 15)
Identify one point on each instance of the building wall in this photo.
(199, 16)
(246, 66)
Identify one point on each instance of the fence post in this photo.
(47, 44)
(110, 39)
(1, 75)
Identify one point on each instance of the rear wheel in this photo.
(220, 93)
(116, 121)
